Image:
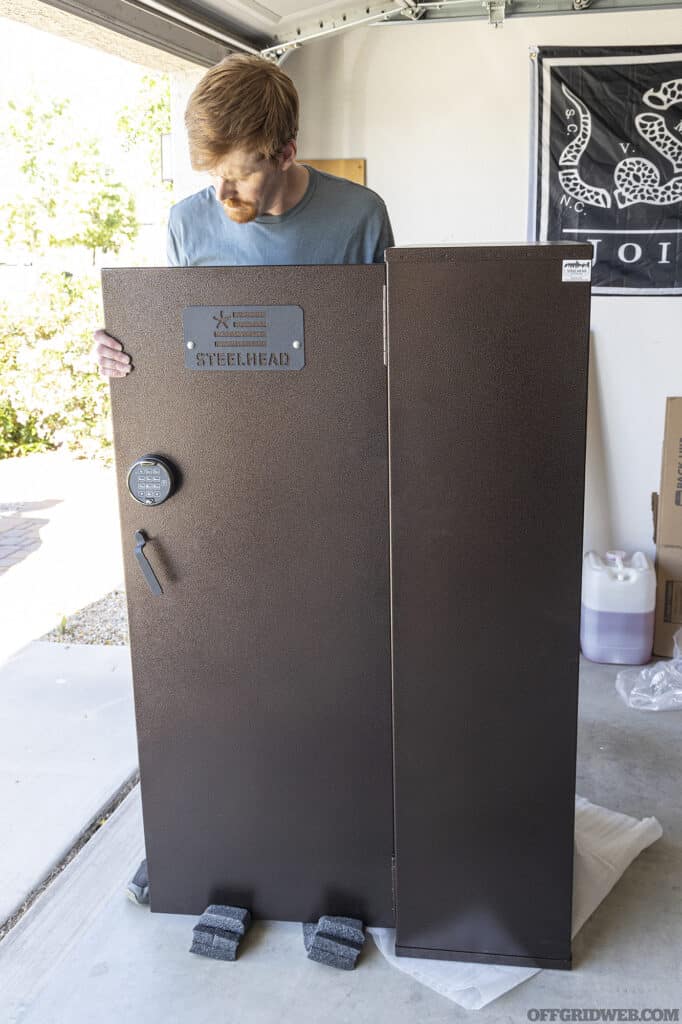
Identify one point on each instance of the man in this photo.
(263, 207)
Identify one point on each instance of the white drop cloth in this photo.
(606, 843)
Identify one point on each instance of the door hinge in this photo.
(394, 902)
(385, 328)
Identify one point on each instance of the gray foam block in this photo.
(215, 952)
(308, 935)
(234, 913)
(333, 945)
(334, 941)
(232, 919)
(342, 963)
(138, 886)
(348, 928)
(205, 933)
(219, 931)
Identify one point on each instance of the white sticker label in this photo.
(576, 270)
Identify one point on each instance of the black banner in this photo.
(607, 161)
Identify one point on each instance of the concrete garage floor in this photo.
(85, 953)
(59, 542)
(67, 745)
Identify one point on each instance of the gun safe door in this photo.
(262, 670)
(487, 369)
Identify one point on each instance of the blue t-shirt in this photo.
(336, 221)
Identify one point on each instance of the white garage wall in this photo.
(441, 113)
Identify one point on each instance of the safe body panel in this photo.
(262, 673)
(487, 369)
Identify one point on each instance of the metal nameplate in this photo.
(243, 337)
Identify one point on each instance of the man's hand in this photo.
(112, 360)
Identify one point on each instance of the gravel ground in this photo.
(102, 622)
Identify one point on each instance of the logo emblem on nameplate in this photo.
(243, 338)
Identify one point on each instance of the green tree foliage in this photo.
(66, 195)
(17, 436)
(62, 195)
(143, 123)
(107, 217)
(52, 392)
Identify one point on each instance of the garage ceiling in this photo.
(203, 31)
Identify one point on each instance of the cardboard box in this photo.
(667, 510)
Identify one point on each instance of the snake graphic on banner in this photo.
(607, 161)
(570, 158)
(638, 180)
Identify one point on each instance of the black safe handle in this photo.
(149, 575)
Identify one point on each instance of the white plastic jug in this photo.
(618, 603)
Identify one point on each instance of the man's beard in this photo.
(241, 212)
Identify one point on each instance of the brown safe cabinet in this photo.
(262, 670)
(487, 372)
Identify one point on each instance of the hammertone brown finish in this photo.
(262, 675)
(488, 355)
